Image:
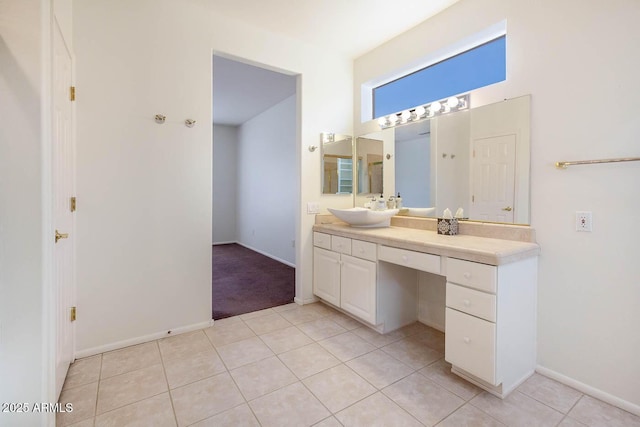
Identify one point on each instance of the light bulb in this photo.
(392, 119)
(406, 115)
(453, 102)
(436, 107)
(420, 111)
(382, 121)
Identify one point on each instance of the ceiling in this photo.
(242, 91)
(352, 27)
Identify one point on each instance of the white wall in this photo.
(225, 183)
(21, 262)
(267, 176)
(145, 192)
(144, 189)
(577, 61)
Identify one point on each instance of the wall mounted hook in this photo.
(389, 156)
(313, 148)
(189, 123)
(160, 119)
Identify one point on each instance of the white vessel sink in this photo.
(363, 217)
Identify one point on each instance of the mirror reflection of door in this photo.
(493, 171)
(337, 164)
(338, 174)
(374, 162)
(369, 167)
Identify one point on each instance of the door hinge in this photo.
(72, 93)
(473, 199)
(73, 314)
(72, 204)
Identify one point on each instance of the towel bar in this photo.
(563, 165)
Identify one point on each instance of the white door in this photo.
(493, 178)
(326, 275)
(63, 217)
(358, 288)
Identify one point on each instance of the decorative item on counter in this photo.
(448, 225)
(459, 213)
(381, 204)
(391, 203)
(398, 201)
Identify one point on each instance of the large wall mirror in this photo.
(337, 164)
(475, 159)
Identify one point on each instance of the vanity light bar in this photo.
(427, 111)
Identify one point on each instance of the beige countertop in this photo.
(472, 248)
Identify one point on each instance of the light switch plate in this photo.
(313, 207)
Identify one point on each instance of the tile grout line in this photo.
(164, 370)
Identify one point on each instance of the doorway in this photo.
(255, 178)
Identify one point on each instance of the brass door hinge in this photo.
(72, 93)
(73, 314)
(72, 204)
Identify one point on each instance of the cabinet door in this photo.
(470, 344)
(326, 275)
(358, 288)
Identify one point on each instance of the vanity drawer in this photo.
(472, 274)
(364, 250)
(322, 240)
(418, 260)
(467, 300)
(470, 344)
(341, 244)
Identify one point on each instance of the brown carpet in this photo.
(246, 281)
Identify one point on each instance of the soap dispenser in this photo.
(398, 202)
(373, 204)
(391, 203)
(382, 204)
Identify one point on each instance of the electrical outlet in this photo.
(583, 221)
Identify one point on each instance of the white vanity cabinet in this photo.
(344, 274)
(489, 299)
(491, 322)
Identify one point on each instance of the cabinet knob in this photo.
(466, 340)
(467, 275)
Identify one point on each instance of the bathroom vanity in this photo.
(490, 313)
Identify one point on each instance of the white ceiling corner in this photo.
(242, 91)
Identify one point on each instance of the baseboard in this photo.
(433, 325)
(591, 391)
(305, 301)
(268, 255)
(224, 243)
(139, 340)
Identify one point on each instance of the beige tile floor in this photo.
(307, 366)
